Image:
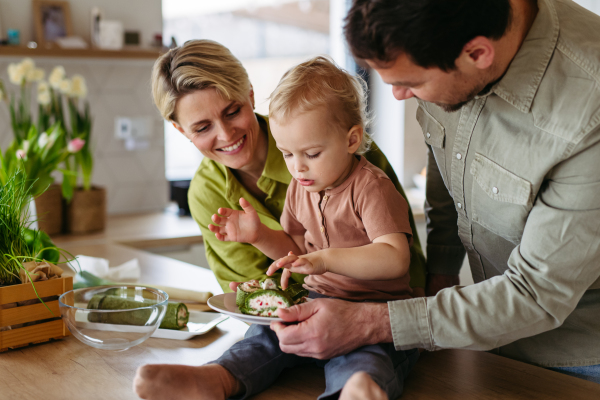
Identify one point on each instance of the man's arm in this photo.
(445, 251)
(548, 272)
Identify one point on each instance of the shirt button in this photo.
(322, 229)
(495, 190)
(458, 156)
(428, 135)
(458, 205)
(324, 197)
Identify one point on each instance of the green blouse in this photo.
(215, 186)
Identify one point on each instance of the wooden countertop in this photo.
(68, 369)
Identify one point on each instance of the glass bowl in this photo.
(135, 313)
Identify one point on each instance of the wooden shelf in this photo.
(127, 53)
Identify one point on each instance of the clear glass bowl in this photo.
(113, 329)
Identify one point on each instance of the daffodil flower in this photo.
(56, 76)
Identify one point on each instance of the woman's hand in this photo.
(236, 226)
(310, 264)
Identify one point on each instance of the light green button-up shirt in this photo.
(514, 180)
(215, 186)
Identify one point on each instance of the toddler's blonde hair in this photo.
(197, 65)
(319, 82)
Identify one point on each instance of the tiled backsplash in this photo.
(135, 180)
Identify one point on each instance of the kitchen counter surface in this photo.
(68, 369)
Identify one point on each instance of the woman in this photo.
(204, 91)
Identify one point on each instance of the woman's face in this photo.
(225, 131)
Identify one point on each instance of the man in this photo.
(509, 103)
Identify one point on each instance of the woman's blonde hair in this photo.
(319, 82)
(197, 65)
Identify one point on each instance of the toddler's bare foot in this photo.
(360, 386)
(169, 381)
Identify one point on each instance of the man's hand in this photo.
(437, 282)
(236, 226)
(328, 327)
(309, 264)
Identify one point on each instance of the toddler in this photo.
(344, 224)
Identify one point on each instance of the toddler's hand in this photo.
(236, 226)
(310, 264)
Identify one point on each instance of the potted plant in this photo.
(29, 311)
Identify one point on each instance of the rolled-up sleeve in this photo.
(557, 260)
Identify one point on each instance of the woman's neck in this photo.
(254, 169)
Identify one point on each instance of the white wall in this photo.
(135, 180)
(141, 15)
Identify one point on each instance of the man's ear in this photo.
(479, 53)
(355, 136)
(178, 127)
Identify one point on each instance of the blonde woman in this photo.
(204, 91)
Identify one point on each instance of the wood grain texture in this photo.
(26, 291)
(34, 312)
(32, 334)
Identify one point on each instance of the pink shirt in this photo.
(364, 207)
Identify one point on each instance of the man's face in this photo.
(449, 90)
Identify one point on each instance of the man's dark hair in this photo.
(432, 33)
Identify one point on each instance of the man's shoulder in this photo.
(567, 102)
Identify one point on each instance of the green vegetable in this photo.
(176, 316)
(296, 291)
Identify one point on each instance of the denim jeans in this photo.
(589, 373)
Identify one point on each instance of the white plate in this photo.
(225, 303)
(199, 323)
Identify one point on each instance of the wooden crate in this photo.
(38, 333)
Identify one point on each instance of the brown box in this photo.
(11, 315)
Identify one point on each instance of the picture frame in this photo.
(52, 20)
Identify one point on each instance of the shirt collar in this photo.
(361, 163)
(522, 79)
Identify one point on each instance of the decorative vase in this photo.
(48, 207)
(87, 210)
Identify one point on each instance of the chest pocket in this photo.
(501, 200)
(435, 136)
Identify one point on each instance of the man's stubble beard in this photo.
(482, 86)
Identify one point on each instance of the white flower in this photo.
(25, 146)
(43, 93)
(44, 98)
(56, 76)
(43, 140)
(28, 65)
(78, 87)
(35, 75)
(16, 73)
(65, 86)
(21, 154)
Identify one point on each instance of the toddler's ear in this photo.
(355, 136)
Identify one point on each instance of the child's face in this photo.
(317, 156)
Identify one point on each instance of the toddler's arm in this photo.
(245, 226)
(388, 257)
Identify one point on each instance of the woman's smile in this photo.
(234, 148)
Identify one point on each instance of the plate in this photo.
(225, 303)
(200, 322)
